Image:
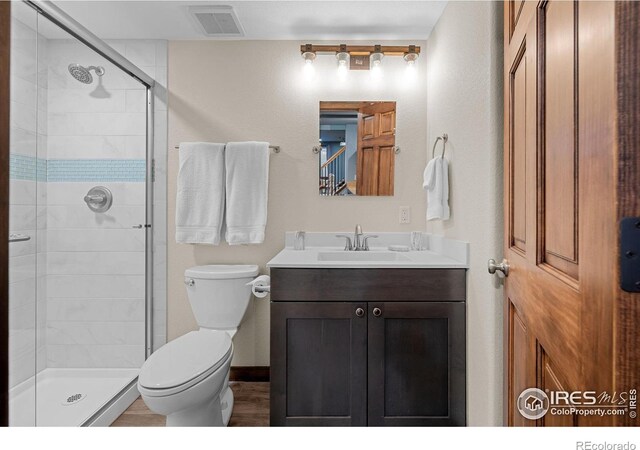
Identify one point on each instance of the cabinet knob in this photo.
(359, 312)
(377, 312)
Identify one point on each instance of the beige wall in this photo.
(256, 90)
(465, 100)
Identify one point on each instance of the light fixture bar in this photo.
(387, 50)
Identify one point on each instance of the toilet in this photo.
(187, 379)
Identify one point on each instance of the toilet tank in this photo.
(219, 294)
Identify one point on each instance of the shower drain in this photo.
(73, 399)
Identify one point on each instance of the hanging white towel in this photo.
(436, 183)
(247, 180)
(200, 197)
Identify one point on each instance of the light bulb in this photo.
(343, 63)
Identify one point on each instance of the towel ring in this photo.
(445, 138)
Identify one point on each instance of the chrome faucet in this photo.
(360, 241)
(357, 236)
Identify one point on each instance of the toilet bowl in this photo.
(187, 379)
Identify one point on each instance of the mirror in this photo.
(357, 142)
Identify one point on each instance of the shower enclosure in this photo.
(81, 168)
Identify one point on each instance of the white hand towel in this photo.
(200, 198)
(436, 183)
(247, 179)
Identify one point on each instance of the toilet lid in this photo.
(222, 272)
(184, 359)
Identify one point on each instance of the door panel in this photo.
(518, 219)
(521, 359)
(416, 359)
(319, 364)
(387, 123)
(386, 167)
(551, 382)
(560, 136)
(368, 127)
(369, 158)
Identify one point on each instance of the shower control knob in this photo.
(99, 199)
(359, 312)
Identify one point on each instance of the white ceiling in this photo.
(262, 20)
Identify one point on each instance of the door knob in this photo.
(502, 267)
(359, 312)
(377, 312)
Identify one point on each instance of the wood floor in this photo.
(251, 409)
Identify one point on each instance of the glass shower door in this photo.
(78, 190)
(25, 276)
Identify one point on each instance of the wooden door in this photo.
(559, 192)
(318, 364)
(376, 141)
(416, 364)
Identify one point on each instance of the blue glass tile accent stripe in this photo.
(29, 168)
(124, 170)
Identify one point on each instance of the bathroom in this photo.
(108, 102)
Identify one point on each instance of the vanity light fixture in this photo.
(376, 57)
(308, 54)
(376, 62)
(343, 58)
(411, 56)
(360, 57)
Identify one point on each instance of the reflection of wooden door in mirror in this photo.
(376, 140)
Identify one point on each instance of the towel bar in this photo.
(275, 148)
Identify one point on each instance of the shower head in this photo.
(83, 74)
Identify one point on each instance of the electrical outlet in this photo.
(405, 214)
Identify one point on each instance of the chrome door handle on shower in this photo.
(17, 237)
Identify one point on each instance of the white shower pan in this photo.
(73, 397)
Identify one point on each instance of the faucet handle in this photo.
(365, 241)
(347, 246)
(358, 229)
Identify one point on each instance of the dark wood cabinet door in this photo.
(318, 364)
(416, 359)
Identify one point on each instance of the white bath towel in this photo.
(200, 198)
(436, 183)
(247, 179)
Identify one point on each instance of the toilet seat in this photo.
(184, 362)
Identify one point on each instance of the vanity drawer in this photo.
(417, 285)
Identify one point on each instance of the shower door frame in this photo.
(57, 16)
(5, 49)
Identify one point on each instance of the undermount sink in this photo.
(361, 256)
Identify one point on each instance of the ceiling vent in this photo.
(217, 21)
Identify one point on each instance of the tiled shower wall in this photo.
(27, 191)
(90, 267)
(95, 270)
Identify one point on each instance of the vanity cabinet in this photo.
(379, 354)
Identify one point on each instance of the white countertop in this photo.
(440, 253)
